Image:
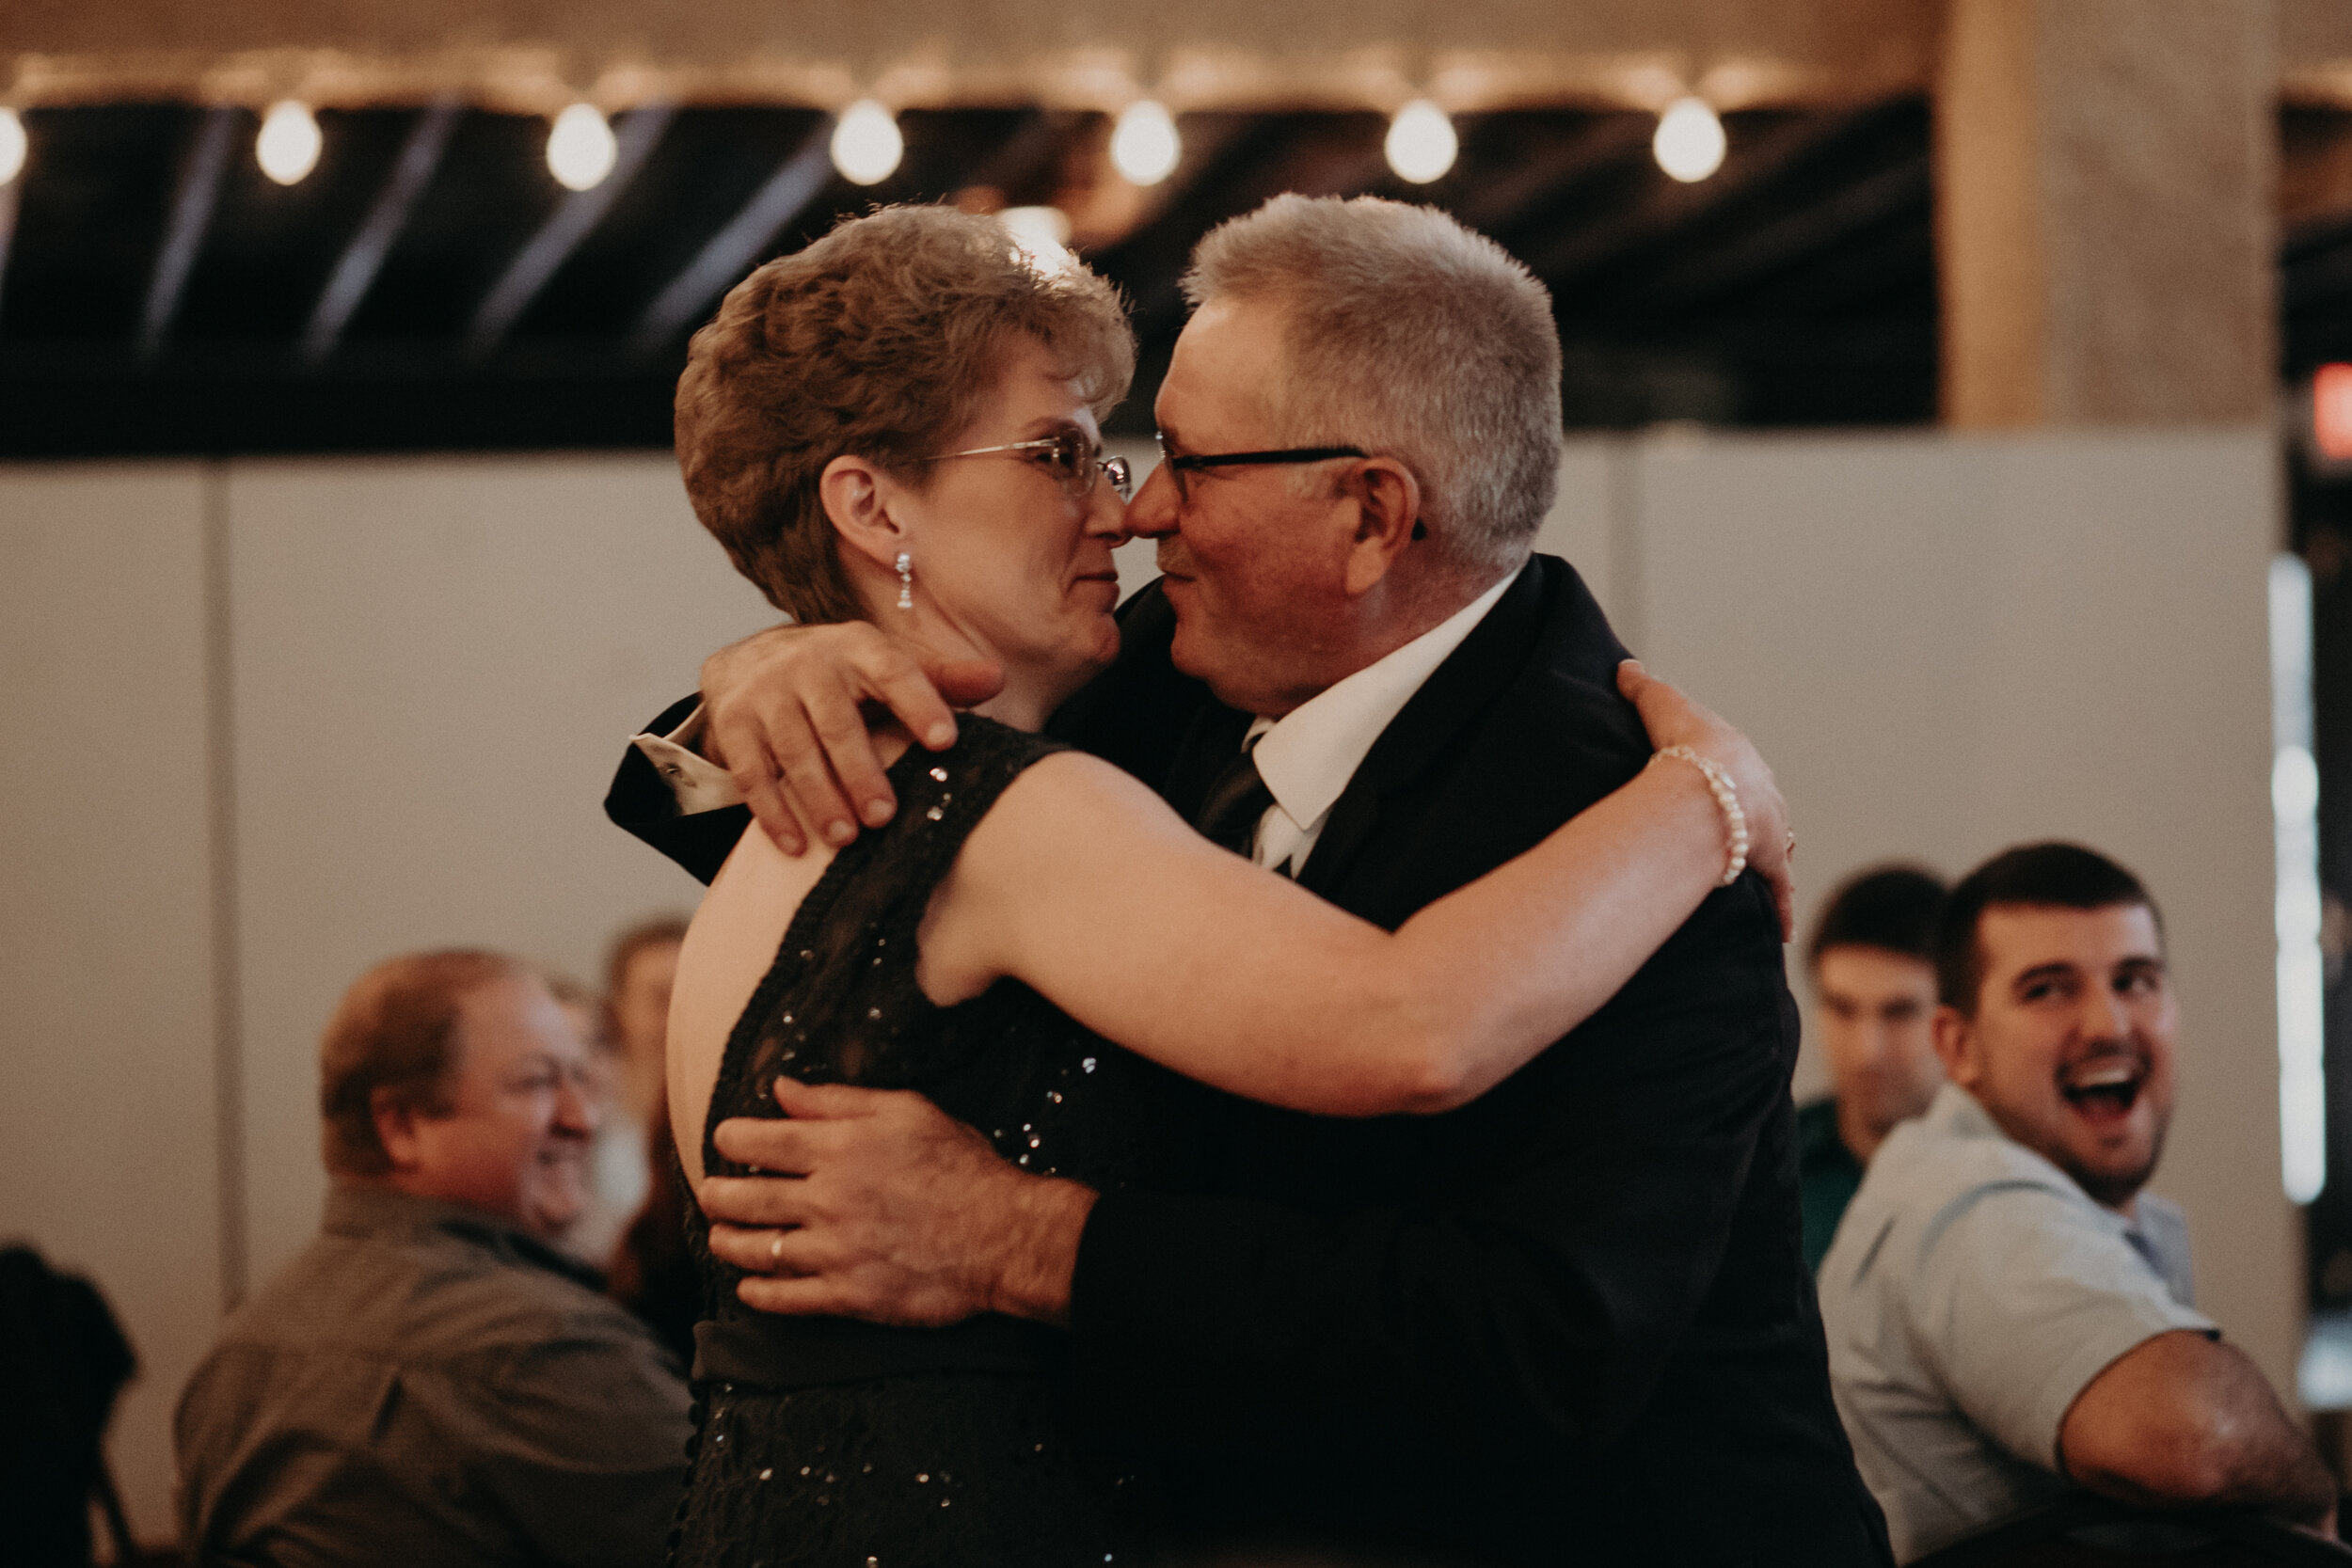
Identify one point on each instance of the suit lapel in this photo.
(1211, 740)
(1447, 702)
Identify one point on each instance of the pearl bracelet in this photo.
(1726, 802)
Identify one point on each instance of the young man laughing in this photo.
(2009, 1315)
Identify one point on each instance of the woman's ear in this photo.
(856, 497)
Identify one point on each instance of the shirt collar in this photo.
(1308, 756)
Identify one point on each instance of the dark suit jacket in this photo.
(1568, 1322)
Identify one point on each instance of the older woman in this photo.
(899, 424)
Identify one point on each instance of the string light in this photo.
(1041, 234)
(13, 146)
(1144, 144)
(1421, 143)
(288, 146)
(1690, 140)
(867, 145)
(581, 148)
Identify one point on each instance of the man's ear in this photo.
(1387, 503)
(856, 497)
(396, 1128)
(1955, 1040)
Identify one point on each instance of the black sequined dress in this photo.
(837, 1444)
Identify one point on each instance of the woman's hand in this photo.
(1674, 720)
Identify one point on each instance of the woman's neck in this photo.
(1029, 697)
(1020, 706)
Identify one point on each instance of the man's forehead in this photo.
(1859, 971)
(1223, 373)
(2015, 937)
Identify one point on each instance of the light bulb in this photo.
(581, 149)
(866, 144)
(1690, 140)
(11, 145)
(1421, 143)
(288, 146)
(1145, 146)
(1041, 234)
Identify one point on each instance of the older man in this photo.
(430, 1380)
(1568, 1321)
(2010, 1313)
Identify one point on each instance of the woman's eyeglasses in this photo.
(1181, 466)
(1072, 460)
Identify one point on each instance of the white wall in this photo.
(1945, 646)
(108, 1068)
(435, 665)
(1949, 646)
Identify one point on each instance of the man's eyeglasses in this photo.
(1181, 466)
(1072, 460)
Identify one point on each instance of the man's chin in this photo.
(551, 1213)
(2113, 1175)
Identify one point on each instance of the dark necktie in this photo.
(1237, 799)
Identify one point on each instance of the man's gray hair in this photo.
(1413, 338)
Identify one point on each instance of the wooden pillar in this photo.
(2104, 173)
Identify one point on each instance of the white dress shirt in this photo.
(1306, 756)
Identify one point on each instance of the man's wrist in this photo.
(1047, 1216)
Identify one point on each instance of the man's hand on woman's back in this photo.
(786, 714)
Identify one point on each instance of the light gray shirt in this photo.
(1974, 1290)
(424, 1384)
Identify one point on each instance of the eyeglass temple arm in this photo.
(1285, 454)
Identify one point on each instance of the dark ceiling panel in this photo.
(1798, 286)
(91, 214)
(270, 248)
(490, 195)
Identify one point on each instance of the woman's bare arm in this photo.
(1084, 884)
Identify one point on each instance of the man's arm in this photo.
(645, 804)
(900, 1213)
(1537, 1300)
(783, 712)
(786, 714)
(2184, 1418)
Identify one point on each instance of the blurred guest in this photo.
(638, 975)
(63, 1361)
(615, 1194)
(1877, 990)
(635, 1019)
(2009, 1312)
(653, 1274)
(430, 1380)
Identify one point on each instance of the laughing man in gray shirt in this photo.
(2008, 1314)
(430, 1381)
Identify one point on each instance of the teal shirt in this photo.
(1827, 1175)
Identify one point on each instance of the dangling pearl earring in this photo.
(906, 580)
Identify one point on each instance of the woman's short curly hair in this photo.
(879, 340)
